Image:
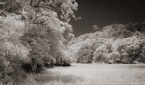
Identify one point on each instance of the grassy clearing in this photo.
(55, 78)
(90, 74)
(103, 74)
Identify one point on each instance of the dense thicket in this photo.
(33, 34)
(116, 43)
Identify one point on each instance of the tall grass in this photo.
(47, 78)
(55, 78)
(89, 74)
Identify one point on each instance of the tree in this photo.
(116, 43)
(12, 51)
(38, 31)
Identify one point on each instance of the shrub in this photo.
(12, 52)
(129, 49)
(10, 68)
(85, 54)
(61, 60)
(100, 54)
(113, 57)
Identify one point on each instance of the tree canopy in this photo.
(34, 33)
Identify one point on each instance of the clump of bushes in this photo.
(85, 54)
(101, 52)
(116, 43)
(126, 50)
(61, 60)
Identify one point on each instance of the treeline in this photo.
(115, 43)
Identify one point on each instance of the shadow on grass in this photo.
(47, 76)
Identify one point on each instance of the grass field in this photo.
(96, 74)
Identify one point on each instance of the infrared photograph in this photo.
(72, 42)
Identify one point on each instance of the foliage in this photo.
(116, 43)
(33, 34)
(101, 52)
(61, 59)
(85, 54)
(12, 52)
(50, 31)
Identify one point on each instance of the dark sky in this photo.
(106, 12)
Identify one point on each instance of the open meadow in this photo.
(95, 74)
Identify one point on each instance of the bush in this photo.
(12, 52)
(61, 60)
(143, 54)
(100, 54)
(129, 49)
(85, 54)
(10, 68)
(113, 57)
(116, 43)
